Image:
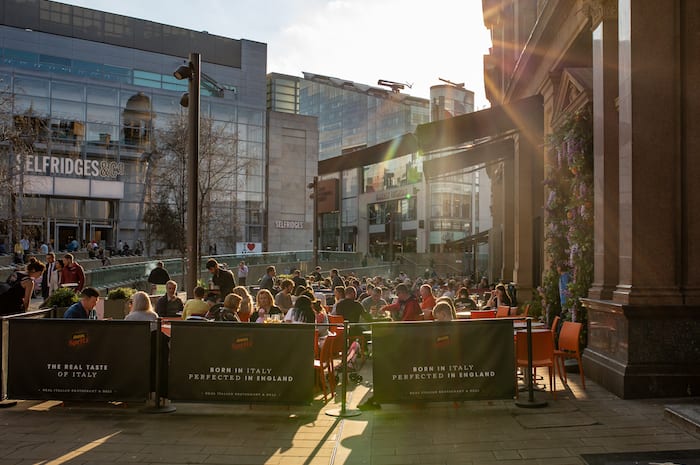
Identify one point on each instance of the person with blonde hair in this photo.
(140, 308)
(246, 307)
(264, 307)
(443, 311)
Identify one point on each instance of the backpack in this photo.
(11, 294)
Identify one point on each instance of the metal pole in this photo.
(531, 402)
(193, 176)
(315, 238)
(159, 407)
(344, 412)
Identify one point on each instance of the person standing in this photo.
(84, 307)
(16, 299)
(268, 281)
(242, 273)
(72, 273)
(47, 275)
(221, 278)
(158, 275)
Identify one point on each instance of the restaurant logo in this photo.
(78, 339)
(241, 343)
(442, 341)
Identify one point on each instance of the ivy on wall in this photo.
(569, 219)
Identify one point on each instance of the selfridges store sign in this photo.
(48, 165)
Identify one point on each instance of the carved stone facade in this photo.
(634, 60)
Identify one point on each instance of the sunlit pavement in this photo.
(476, 432)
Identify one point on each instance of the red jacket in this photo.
(73, 273)
(408, 310)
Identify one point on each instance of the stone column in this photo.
(690, 167)
(644, 343)
(605, 151)
(650, 200)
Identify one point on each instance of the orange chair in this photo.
(477, 314)
(554, 328)
(323, 367)
(569, 347)
(336, 319)
(542, 354)
(501, 311)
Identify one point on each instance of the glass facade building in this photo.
(92, 97)
(448, 214)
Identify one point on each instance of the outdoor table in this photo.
(518, 325)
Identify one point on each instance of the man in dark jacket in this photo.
(221, 278)
(158, 275)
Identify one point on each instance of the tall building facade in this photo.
(384, 208)
(632, 65)
(99, 129)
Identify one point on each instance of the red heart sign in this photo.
(250, 246)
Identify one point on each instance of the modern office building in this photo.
(362, 196)
(99, 129)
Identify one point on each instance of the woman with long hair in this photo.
(302, 312)
(140, 308)
(246, 307)
(265, 307)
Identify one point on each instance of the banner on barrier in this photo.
(78, 359)
(460, 360)
(239, 362)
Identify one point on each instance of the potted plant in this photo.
(116, 307)
(61, 298)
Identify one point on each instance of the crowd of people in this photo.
(296, 298)
(312, 298)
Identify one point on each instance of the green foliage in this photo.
(569, 207)
(61, 297)
(165, 225)
(120, 293)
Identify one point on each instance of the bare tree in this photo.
(220, 168)
(19, 133)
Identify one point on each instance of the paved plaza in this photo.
(478, 432)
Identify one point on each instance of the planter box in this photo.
(115, 309)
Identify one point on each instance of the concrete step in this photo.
(686, 416)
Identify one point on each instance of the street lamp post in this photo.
(314, 195)
(192, 72)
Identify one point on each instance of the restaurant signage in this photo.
(78, 359)
(250, 363)
(443, 361)
(48, 165)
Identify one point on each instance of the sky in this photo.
(358, 40)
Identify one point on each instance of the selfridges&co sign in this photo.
(47, 165)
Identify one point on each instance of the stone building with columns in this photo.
(635, 63)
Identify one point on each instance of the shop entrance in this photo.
(65, 234)
(102, 234)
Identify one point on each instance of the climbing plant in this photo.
(569, 220)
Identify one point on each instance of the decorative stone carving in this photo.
(598, 10)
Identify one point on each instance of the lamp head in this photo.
(185, 100)
(183, 72)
